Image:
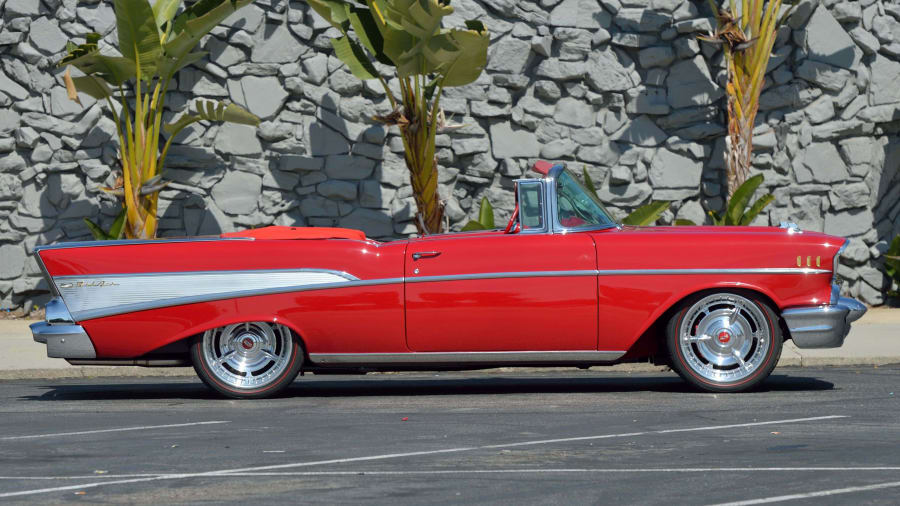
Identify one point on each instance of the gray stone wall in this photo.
(619, 87)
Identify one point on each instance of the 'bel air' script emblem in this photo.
(88, 284)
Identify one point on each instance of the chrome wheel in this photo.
(724, 337)
(248, 355)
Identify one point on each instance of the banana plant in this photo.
(747, 38)
(408, 36)
(154, 42)
(485, 219)
(892, 264)
(736, 211)
(642, 216)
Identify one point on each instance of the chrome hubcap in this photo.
(248, 355)
(724, 337)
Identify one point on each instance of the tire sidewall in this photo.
(679, 363)
(272, 388)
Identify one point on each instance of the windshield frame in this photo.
(552, 206)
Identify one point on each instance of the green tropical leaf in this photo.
(740, 199)
(92, 86)
(716, 220)
(210, 110)
(164, 11)
(486, 214)
(681, 222)
(366, 29)
(196, 21)
(138, 34)
(351, 53)
(646, 214)
(117, 230)
(168, 66)
(96, 231)
(115, 70)
(459, 55)
(333, 11)
(892, 259)
(756, 208)
(473, 225)
(589, 183)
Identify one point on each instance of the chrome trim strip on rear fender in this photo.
(477, 357)
(40, 261)
(96, 296)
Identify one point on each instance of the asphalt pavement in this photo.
(811, 435)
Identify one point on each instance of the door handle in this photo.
(425, 254)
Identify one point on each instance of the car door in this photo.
(501, 292)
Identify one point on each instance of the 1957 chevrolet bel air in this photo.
(563, 284)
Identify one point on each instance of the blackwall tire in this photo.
(726, 341)
(248, 360)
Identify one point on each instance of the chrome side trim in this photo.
(57, 313)
(40, 261)
(613, 272)
(754, 270)
(477, 357)
(499, 275)
(64, 341)
(90, 297)
(343, 274)
(129, 242)
(96, 296)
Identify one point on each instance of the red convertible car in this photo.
(562, 285)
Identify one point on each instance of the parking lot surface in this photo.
(809, 436)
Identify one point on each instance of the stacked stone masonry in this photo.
(620, 87)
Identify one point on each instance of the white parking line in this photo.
(666, 431)
(121, 429)
(364, 472)
(821, 493)
(229, 472)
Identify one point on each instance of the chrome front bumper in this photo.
(63, 337)
(823, 326)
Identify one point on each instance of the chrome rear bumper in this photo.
(63, 337)
(823, 326)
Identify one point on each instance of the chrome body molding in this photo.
(96, 296)
(57, 313)
(823, 326)
(129, 242)
(476, 357)
(739, 270)
(64, 341)
(613, 272)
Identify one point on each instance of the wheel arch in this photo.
(651, 342)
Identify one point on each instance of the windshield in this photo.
(576, 206)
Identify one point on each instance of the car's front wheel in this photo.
(247, 360)
(724, 341)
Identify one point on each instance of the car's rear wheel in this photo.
(247, 360)
(724, 341)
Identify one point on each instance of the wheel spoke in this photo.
(697, 339)
(732, 318)
(739, 358)
(225, 356)
(270, 355)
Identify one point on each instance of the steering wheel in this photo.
(512, 226)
